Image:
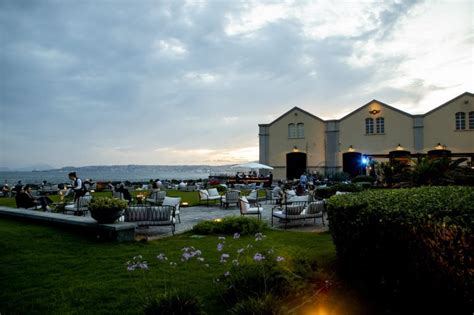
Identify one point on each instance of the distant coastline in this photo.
(133, 173)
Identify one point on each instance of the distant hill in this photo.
(29, 168)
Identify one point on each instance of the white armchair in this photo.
(247, 209)
(173, 202)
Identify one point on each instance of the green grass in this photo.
(49, 270)
(191, 197)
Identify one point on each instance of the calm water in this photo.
(135, 175)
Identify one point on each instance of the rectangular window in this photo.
(291, 131)
(471, 120)
(369, 126)
(300, 130)
(460, 121)
(380, 125)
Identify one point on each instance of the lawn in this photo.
(191, 197)
(49, 270)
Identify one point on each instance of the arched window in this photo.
(369, 125)
(471, 120)
(380, 125)
(460, 121)
(291, 131)
(300, 130)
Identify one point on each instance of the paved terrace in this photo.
(189, 217)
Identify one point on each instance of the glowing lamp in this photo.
(351, 149)
(374, 111)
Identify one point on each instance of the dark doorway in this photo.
(351, 163)
(295, 165)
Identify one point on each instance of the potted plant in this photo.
(106, 209)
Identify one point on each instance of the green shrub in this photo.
(107, 204)
(416, 240)
(363, 178)
(229, 226)
(327, 192)
(266, 305)
(175, 303)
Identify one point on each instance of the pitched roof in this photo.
(288, 112)
(448, 102)
(379, 102)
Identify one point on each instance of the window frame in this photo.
(369, 126)
(292, 132)
(471, 120)
(300, 135)
(460, 121)
(380, 125)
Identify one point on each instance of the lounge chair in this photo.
(231, 196)
(246, 209)
(80, 206)
(173, 202)
(156, 198)
(209, 195)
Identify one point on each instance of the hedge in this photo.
(414, 242)
(329, 191)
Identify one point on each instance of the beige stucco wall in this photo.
(280, 144)
(398, 130)
(440, 127)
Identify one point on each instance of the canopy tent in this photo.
(253, 166)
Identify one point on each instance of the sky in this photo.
(187, 82)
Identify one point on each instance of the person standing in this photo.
(77, 186)
(303, 180)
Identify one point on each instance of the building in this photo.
(299, 141)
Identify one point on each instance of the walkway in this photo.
(193, 215)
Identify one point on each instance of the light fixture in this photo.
(351, 149)
(399, 147)
(439, 146)
(374, 111)
(295, 149)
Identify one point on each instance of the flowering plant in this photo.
(107, 204)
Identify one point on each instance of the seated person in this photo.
(126, 194)
(25, 199)
(6, 190)
(277, 193)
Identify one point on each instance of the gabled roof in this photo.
(448, 102)
(288, 112)
(375, 101)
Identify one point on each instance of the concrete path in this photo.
(192, 215)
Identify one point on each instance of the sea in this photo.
(132, 173)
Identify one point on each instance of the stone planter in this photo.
(104, 216)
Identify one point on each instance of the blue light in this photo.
(365, 161)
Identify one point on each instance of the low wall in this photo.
(123, 231)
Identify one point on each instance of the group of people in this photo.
(24, 196)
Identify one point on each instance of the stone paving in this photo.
(193, 215)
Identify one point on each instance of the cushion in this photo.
(213, 192)
(314, 207)
(170, 201)
(299, 198)
(245, 203)
(293, 209)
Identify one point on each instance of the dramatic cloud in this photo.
(169, 82)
